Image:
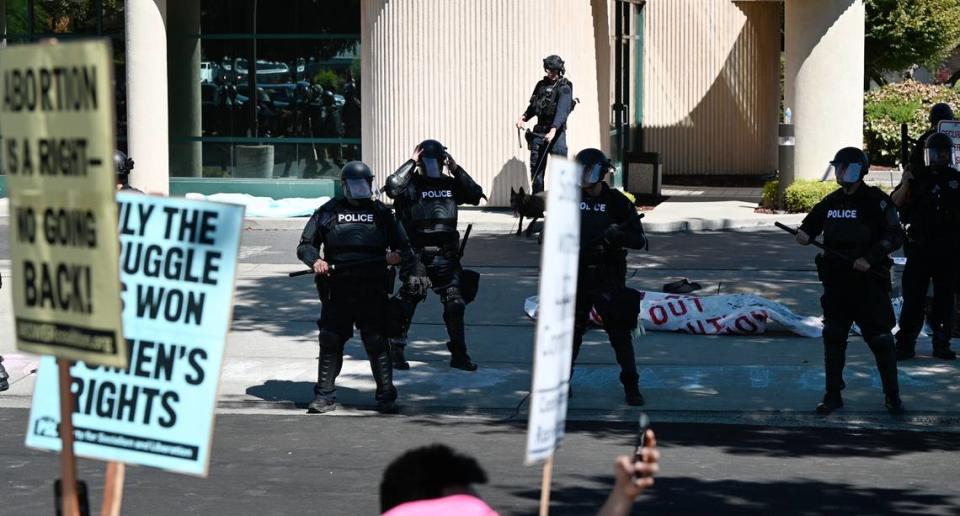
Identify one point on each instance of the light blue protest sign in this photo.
(178, 261)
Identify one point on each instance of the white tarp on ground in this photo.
(734, 314)
(267, 207)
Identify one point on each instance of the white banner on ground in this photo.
(951, 128)
(736, 314)
(179, 260)
(552, 354)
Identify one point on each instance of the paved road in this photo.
(283, 465)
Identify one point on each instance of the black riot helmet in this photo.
(595, 166)
(553, 62)
(939, 113)
(938, 151)
(432, 157)
(357, 181)
(849, 166)
(122, 166)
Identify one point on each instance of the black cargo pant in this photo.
(926, 263)
(601, 284)
(855, 297)
(442, 266)
(537, 146)
(355, 299)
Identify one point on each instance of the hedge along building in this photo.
(695, 81)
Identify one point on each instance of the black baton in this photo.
(334, 267)
(828, 250)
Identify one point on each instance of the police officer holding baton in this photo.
(355, 233)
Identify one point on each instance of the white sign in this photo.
(178, 262)
(951, 128)
(559, 259)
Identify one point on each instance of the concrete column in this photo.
(183, 51)
(147, 128)
(824, 42)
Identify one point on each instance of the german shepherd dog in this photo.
(529, 206)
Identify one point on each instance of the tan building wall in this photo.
(711, 98)
(461, 71)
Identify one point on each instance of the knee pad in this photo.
(452, 300)
(374, 342)
(834, 336)
(620, 309)
(329, 341)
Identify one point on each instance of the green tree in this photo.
(901, 33)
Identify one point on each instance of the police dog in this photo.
(529, 206)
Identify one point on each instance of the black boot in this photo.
(396, 354)
(884, 351)
(382, 367)
(325, 399)
(894, 405)
(631, 389)
(460, 359)
(4, 385)
(831, 401)
(944, 352)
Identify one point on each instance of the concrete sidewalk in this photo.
(775, 379)
(668, 217)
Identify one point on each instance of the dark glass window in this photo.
(302, 99)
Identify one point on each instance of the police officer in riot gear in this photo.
(551, 103)
(938, 113)
(426, 201)
(930, 203)
(861, 228)
(355, 233)
(123, 166)
(609, 223)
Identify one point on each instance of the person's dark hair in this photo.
(423, 473)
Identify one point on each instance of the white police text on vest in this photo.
(436, 194)
(593, 207)
(841, 214)
(354, 217)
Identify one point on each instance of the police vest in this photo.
(546, 99)
(847, 225)
(353, 233)
(434, 206)
(936, 207)
(595, 218)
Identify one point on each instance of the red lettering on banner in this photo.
(653, 315)
(697, 331)
(674, 310)
(751, 327)
(760, 316)
(696, 301)
(713, 321)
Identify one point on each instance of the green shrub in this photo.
(886, 108)
(328, 80)
(803, 194)
(769, 197)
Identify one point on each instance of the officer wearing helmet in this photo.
(930, 202)
(122, 166)
(609, 224)
(860, 226)
(426, 201)
(354, 233)
(551, 104)
(938, 113)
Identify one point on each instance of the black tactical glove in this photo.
(417, 285)
(614, 236)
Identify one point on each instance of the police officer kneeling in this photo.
(930, 202)
(426, 201)
(355, 233)
(860, 223)
(608, 223)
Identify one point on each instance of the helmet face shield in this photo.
(938, 157)
(431, 167)
(591, 175)
(846, 173)
(357, 189)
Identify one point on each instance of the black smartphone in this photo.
(644, 425)
(82, 498)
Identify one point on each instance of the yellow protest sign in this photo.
(56, 125)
